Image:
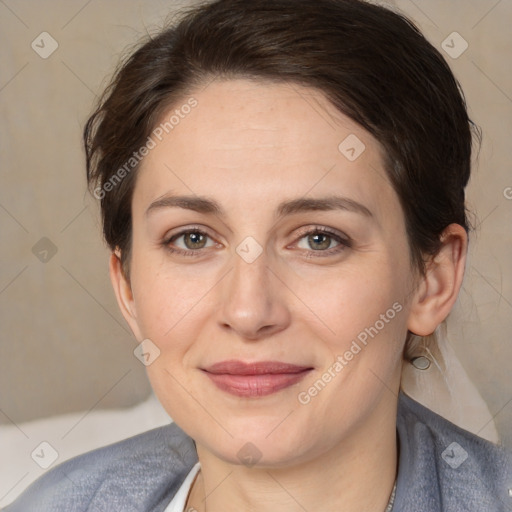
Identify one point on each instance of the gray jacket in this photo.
(442, 468)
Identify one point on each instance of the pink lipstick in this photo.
(256, 379)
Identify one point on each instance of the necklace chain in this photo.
(391, 501)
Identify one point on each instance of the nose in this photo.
(253, 300)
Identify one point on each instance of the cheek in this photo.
(171, 311)
(347, 301)
(171, 304)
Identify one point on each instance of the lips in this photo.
(255, 379)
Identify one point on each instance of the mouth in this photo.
(252, 380)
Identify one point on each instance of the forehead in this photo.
(250, 142)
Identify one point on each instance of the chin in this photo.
(259, 454)
(255, 445)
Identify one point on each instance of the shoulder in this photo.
(138, 474)
(447, 467)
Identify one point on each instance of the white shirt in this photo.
(180, 498)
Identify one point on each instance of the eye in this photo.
(189, 242)
(317, 241)
(194, 239)
(323, 242)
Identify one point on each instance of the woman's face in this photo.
(289, 251)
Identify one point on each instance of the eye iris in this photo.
(322, 241)
(194, 240)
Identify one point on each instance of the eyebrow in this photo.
(207, 205)
(322, 204)
(195, 203)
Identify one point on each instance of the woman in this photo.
(282, 188)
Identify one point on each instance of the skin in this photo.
(250, 146)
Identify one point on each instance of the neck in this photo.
(357, 474)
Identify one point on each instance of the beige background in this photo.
(64, 346)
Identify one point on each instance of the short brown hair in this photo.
(373, 64)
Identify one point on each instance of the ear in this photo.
(123, 291)
(438, 289)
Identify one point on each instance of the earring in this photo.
(421, 362)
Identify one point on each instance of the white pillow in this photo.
(22, 455)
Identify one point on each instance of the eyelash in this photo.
(190, 252)
(343, 242)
